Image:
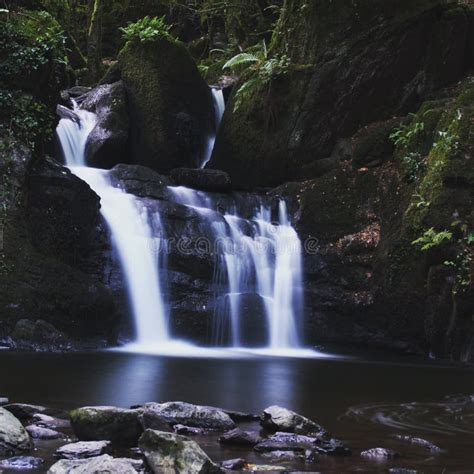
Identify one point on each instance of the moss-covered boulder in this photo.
(118, 425)
(351, 64)
(170, 105)
(13, 437)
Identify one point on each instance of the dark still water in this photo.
(363, 403)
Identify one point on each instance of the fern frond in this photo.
(240, 60)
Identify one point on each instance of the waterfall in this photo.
(131, 230)
(263, 261)
(263, 258)
(219, 108)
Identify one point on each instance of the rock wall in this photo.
(351, 64)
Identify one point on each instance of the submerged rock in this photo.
(119, 425)
(187, 430)
(98, 465)
(83, 449)
(419, 442)
(22, 463)
(333, 447)
(169, 452)
(276, 418)
(204, 179)
(38, 432)
(13, 437)
(238, 437)
(197, 416)
(380, 453)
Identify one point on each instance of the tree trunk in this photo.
(94, 40)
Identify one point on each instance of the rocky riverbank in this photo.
(175, 437)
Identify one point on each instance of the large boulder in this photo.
(119, 425)
(277, 418)
(96, 465)
(173, 413)
(351, 64)
(170, 105)
(13, 437)
(107, 144)
(169, 452)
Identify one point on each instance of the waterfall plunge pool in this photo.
(362, 402)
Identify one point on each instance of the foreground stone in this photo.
(51, 422)
(287, 442)
(22, 463)
(169, 452)
(83, 449)
(233, 464)
(204, 179)
(380, 453)
(13, 437)
(424, 443)
(240, 437)
(38, 432)
(99, 465)
(4, 401)
(276, 418)
(24, 411)
(197, 416)
(119, 425)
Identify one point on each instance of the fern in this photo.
(147, 29)
(242, 59)
(246, 90)
(431, 239)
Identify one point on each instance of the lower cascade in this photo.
(257, 256)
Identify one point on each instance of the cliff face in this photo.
(349, 65)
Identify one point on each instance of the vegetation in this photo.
(147, 29)
(431, 239)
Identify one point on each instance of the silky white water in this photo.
(132, 234)
(265, 258)
(219, 108)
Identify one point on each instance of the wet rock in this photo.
(233, 464)
(51, 422)
(197, 416)
(119, 425)
(380, 453)
(83, 449)
(238, 416)
(402, 470)
(141, 181)
(168, 451)
(204, 179)
(38, 432)
(284, 456)
(4, 401)
(333, 447)
(22, 463)
(187, 430)
(238, 437)
(13, 437)
(265, 468)
(277, 418)
(419, 442)
(98, 465)
(107, 143)
(24, 411)
(287, 442)
(65, 113)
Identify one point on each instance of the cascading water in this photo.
(264, 258)
(219, 108)
(131, 230)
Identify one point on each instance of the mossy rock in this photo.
(170, 105)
